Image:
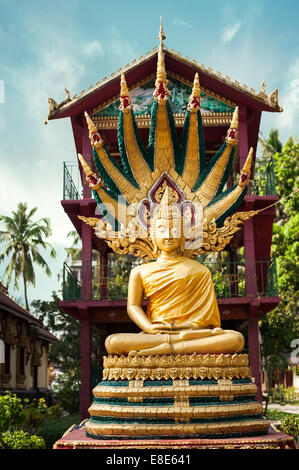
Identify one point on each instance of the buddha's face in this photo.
(168, 235)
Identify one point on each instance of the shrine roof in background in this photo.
(219, 94)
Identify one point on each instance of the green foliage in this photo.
(264, 178)
(21, 440)
(66, 390)
(36, 412)
(20, 421)
(11, 412)
(276, 414)
(53, 430)
(118, 275)
(287, 177)
(282, 395)
(281, 326)
(290, 425)
(285, 247)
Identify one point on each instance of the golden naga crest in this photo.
(165, 174)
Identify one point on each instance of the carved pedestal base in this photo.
(176, 396)
(76, 438)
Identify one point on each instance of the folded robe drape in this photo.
(179, 290)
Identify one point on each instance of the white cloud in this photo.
(53, 74)
(289, 100)
(230, 32)
(93, 49)
(180, 22)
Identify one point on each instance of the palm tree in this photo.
(74, 251)
(271, 145)
(22, 240)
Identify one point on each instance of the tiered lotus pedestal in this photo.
(176, 396)
(193, 401)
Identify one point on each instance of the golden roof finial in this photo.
(161, 36)
(161, 72)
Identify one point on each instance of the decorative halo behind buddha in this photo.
(127, 195)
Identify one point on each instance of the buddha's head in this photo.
(167, 227)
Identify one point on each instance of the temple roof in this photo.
(10, 306)
(179, 68)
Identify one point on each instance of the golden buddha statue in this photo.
(182, 358)
(182, 314)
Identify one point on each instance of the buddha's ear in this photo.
(182, 245)
(183, 238)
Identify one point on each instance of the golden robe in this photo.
(180, 290)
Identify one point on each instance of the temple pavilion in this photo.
(25, 343)
(244, 275)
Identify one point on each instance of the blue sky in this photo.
(47, 45)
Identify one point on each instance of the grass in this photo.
(278, 414)
(52, 431)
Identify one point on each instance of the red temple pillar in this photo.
(86, 275)
(87, 154)
(85, 366)
(254, 354)
(243, 134)
(86, 229)
(86, 290)
(253, 328)
(250, 266)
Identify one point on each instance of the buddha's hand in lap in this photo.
(217, 331)
(183, 326)
(200, 333)
(170, 328)
(156, 328)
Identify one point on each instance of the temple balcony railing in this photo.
(249, 278)
(72, 187)
(263, 183)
